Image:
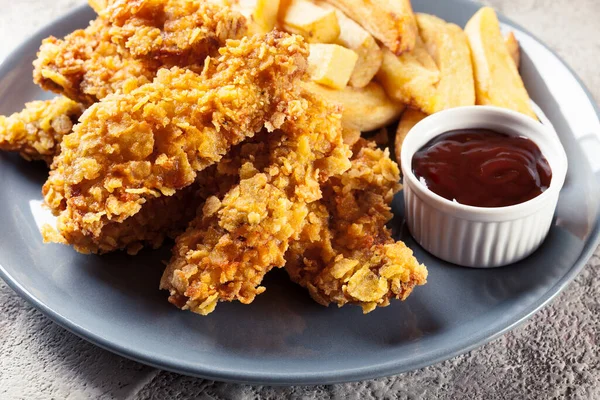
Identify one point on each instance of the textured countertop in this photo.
(553, 355)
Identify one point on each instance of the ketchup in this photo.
(483, 168)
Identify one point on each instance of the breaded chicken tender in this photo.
(174, 32)
(345, 253)
(129, 42)
(237, 239)
(148, 143)
(37, 131)
(161, 217)
(87, 66)
(166, 216)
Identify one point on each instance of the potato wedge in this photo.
(449, 47)
(356, 38)
(331, 65)
(410, 117)
(497, 80)
(314, 23)
(364, 109)
(410, 78)
(391, 21)
(514, 48)
(262, 14)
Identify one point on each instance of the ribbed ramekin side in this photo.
(474, 243)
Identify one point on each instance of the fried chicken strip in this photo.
(37, 131)
(174, 32)
(129, 42)
(161, 217)
(87, 66)
(345, 253)
(151, 142)
(237, 239)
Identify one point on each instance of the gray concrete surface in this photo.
(554, 355)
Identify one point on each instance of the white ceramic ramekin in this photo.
(477, 236)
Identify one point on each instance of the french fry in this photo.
(411, 77)
(437, 74)
(497, 79)
(364, 109)
(410, 117)
(514, 48)
(356, 38)
(314, 23)
(262, 14)
(331, 64)
(391, 21)
(449, 47)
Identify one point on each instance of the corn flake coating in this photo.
(165, 216)
(136, 146)
(87, 66)
(174, 32)
(345, 253)
(37, 131)
(129, 42)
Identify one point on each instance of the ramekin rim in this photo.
(556, 183)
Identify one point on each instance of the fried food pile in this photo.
(224, 125)
(141, 145)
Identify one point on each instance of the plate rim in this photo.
(302, 378)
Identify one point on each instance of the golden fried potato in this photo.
(437, 74)
(409, 119)
(497, 80)
(410, 78)
(365, 109)
(262, 14)
(351, 136)
(391, 21)
(356, 38)
(314, 23)
(449, 47)
(331, 65)
(513, 48)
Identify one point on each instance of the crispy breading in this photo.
(151, 142)
(159, 218)
(36, 132)
(129, 42)
(174, 32)
(237, 239)
(165, 216)
(345, 253)
(87, 66)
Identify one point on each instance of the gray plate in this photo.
(284, 337)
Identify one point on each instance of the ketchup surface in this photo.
(483, 168)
